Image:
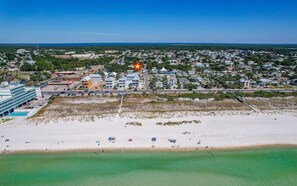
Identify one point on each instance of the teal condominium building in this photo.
(14, 95)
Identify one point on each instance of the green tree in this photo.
(28, 67)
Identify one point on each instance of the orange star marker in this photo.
(137, 66)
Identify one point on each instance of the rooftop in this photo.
(65, 72)
(2, 98)
(7, 86)
(87, 78)
(95, 76)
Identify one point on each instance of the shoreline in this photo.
(211, 133)
(152, 150)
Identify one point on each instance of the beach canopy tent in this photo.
(154, 139)
(172, 140)
(111, 138)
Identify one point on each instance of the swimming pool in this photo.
(19, 113)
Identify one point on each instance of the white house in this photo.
(109, 83)
(22, 51)
(171, 81)
(70, 53)
(267, 66)
(163, 70)
(96, 78)
(199, 65)
(159, 84)
(112, 74)
(154, 70)
(130, 77)
(129, 71)
(122, 83)
(135, 82)
(31, 62)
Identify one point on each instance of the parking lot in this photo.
(36, 103)
(61, 87)
(85, 93)
(55, 88)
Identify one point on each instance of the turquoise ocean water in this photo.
(276, 166)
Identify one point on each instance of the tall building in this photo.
(15, 95)
(86, 82)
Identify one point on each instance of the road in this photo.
(146, 78)
(72, 92)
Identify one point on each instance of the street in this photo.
(74, 92)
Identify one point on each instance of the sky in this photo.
(165, 21)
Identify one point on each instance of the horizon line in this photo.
(243, 43)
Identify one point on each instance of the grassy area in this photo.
(134, 124)
(264, 94)
(218, 96)
(71, 106)
(152, 105)
(6, 120)
(40, 113)
(178, 123)
(43, 109)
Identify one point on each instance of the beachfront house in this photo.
(96, 78)
(122, 83)
(130, 77)
(135, 82)
(109, 83)
(86, 82)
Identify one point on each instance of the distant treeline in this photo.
(50, 63)
(156, 46)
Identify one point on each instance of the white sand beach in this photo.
(225, 131)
